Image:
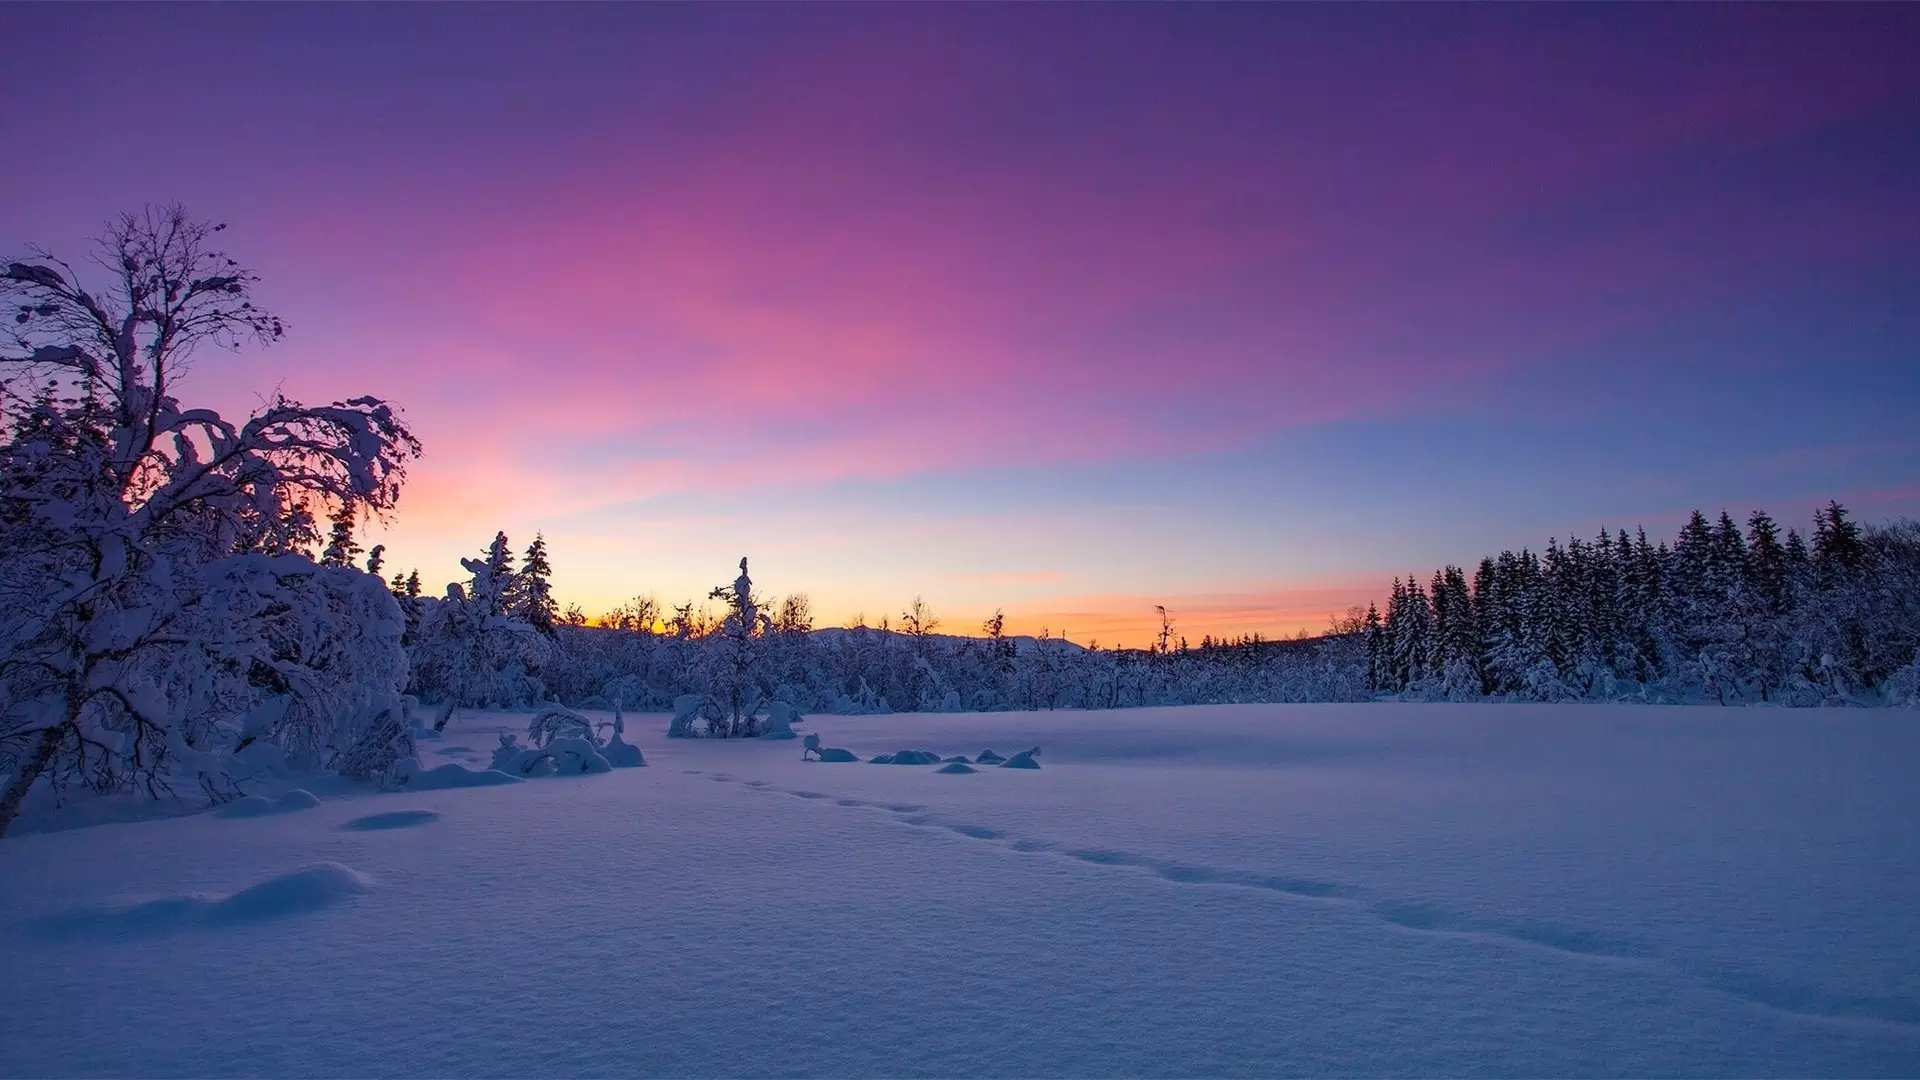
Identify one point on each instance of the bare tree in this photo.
(795, 615)
(918, 623)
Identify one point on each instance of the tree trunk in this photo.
(30, 771)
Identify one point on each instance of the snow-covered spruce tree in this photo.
(732, 668)
(533, 595)
(501, 584)
(341, 547)
(149, 551)
(470, 648)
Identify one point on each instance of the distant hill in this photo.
(1022, 643)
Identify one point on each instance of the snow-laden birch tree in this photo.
(157, 601)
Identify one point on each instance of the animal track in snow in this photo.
(1422, 918)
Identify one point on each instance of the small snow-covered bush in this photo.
(563, 756)
(618, 752)
(779, 722)
(690, 710)
(622, 754)
(577, 756)
(556, 721)
(1903, 689)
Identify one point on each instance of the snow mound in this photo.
(311, 888)
(988, 757)
(577, 756)
(1022, 760)
(780, 720)
(622, 754)
(261, 806)
(452, 775)
(956, 767)
(393, 819)
(908, 757)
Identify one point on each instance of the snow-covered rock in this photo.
(1022, 760)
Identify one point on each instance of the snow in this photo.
(455, 775)
(259, 805)
(394, 819)
(305, 890)
(623, 755)
(1231, 890)
(908, 757)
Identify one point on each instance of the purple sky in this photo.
(1067, 309)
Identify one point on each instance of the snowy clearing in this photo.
(1229, 890)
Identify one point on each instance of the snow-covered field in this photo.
(1257, 890)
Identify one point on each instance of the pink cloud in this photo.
(918, 243)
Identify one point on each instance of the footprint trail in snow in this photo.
(1573, 943)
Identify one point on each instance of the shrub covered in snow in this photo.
(555, 721)
(618, 752)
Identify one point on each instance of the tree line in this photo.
(1721, 614)
(173, 618)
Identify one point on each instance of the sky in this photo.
(1066, 310)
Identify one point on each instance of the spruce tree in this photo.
(1376, 641)
(1485, 621)
(500, 585)
(1799, 564)
(1767, 574)
(341, 547)
(1727, 561)
(1837, 550)
(533, 594)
